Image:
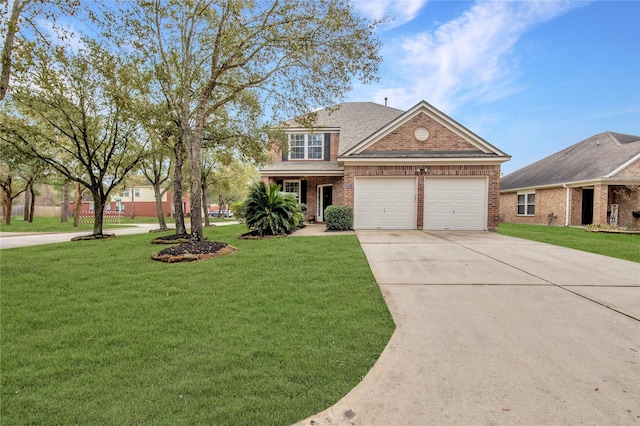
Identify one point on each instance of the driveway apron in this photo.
(497, 330)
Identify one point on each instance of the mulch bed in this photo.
(254, 235)
(189, 252)
(93, 237)
(173, 239)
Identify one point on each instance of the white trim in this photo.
(437, 116)
(306, 147)
(624, 166)
(526, 203)
(303, 173)
(319, 198)
(344, 161)
(630, 180)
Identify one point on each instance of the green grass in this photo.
(98, 333)
(622, 246)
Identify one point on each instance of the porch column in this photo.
(600, 204)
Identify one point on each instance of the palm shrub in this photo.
(339, 218)
(268, 211)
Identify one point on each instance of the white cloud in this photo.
(401, 11)
(471, 58)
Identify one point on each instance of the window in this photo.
(527, 204)
(292, 187)
(126, 194)
(136, 192)
(309, 146)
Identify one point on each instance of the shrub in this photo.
(339, 218)
(237, 208)
(269, 211)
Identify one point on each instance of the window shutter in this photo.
(327, 146)
(281, 183)
(303, 192)
(285, 151)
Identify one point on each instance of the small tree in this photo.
(269, 211)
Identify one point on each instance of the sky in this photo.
(529, 77)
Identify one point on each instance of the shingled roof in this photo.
(356, 121)
(600, 156)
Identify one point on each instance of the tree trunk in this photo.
(178, 151)
(133, 203)
(194, 147)
(7, 202)
(158, 195)
(32, 208)
(27, 203)
(98, 211)
(203, 188)
(77, 205)
(64, 211)
(8, 47)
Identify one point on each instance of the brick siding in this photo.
(440, 138)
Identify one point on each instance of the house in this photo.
(596, 181)
(140, 198)
(415, 169)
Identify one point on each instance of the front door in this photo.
(587, 206)
(325, 199)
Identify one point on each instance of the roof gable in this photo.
(601, 156)
(463, 140)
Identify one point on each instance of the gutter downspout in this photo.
(566, 210)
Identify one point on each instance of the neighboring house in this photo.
(586, 183)
(417, 169)
(139, 198)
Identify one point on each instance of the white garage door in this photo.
(455, 203)
(384, 203)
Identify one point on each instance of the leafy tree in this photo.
(269, 211)
(11, 184)
(22, 29)
(293, 55)
(79, 107)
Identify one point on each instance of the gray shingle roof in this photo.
(593, 158)
(356, 120)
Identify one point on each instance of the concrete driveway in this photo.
(495, 330)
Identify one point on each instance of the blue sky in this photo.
(529, 77)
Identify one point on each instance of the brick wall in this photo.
(548, 201)
(440, 138)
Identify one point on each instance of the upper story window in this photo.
(136, 192)
(308, 146)
(527, 204)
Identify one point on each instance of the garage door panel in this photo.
(385, 203)
(455, 203)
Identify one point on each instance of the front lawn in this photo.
(622, 246)
(95, 332)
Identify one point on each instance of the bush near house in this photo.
(339, 218)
